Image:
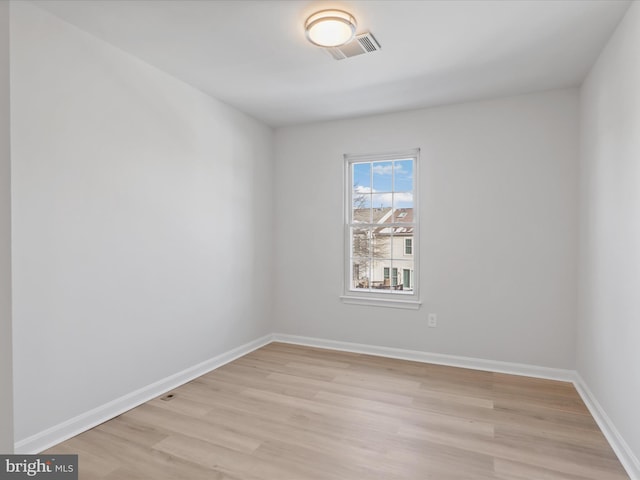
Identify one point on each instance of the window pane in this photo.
(381, 201)
(403, 200)
(403, 215)
(378, 271)
(361, 212)
(362, 177)
(380, 245)
(405, 274)
(360, 273)
(403, 176)
(382, 176)
(360, 242)
(402, 244)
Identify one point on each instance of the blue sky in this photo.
(380, 179)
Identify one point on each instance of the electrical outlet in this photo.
(432, 320)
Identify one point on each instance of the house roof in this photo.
(387, 220)
(373, 215)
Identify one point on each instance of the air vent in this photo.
(363, 43)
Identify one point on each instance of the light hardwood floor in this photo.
(288, 412)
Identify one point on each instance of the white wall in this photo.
(498, 207)
(140, 208)
(608, 344)
(6, 384)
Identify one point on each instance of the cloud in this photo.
(361, 189)
(382, 169)
(403, 199)
(387, 169)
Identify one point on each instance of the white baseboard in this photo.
(621, 448)
(83, 422)
(437, 358)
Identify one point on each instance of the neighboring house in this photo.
(383, 254)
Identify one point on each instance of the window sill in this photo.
(381, 302)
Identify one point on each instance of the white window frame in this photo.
(394, 299)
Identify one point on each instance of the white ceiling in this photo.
(254, 55)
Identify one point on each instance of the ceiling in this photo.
(254, 56)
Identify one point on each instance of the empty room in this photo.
(318, 240)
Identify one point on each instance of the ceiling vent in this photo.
(363, 43)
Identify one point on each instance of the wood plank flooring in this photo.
(288, 412)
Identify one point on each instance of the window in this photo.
(408, 246)
(381, 223)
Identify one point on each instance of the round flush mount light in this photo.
(330, 28)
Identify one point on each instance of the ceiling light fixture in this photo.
(330, 28)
